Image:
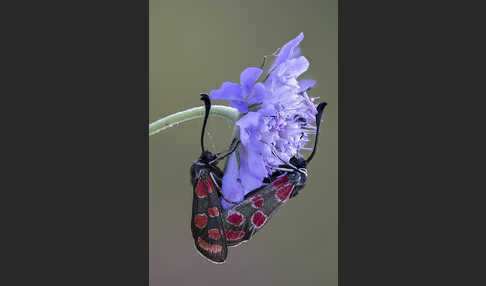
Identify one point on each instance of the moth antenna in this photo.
(207, 104)
(320, 109)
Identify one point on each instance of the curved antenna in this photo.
(320, 109)
(207, 104)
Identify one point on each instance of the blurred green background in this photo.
(194, 47)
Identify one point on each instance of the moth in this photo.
(243, 220)
(206, 221)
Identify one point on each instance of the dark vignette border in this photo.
(370, 164)
(404, 72)
(82, 216)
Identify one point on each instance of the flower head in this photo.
(279, 127)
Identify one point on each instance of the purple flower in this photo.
(242, 96)
(281, 125)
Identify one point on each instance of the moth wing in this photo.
(242, 221)
(206, 223)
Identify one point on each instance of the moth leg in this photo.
(278, 168)
(286, 163)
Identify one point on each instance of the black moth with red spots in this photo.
(206, 222)
(244, 219)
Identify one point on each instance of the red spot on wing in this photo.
(214, 248)
(214, 233)
(235, 218)
(213, 212)
(258, 219)
(201, 190)
(257, 201)
(201, 220)
(280, 182)
(209, 182)
(283, 193)
(234, 235)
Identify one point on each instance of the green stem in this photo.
(229, 113)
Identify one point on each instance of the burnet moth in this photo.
(244, 219)
(206, 222)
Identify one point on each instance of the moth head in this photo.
(207, 157)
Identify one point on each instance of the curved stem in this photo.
(229, 113)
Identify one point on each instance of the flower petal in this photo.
(249, 76)
(288, 51)
(258, 93)
(252, 169)
(232, 188)
(254, 158)
(248, 124)
(241, 105)
(238, 182)
(306, 84)
(297, 66)
(227, 91)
